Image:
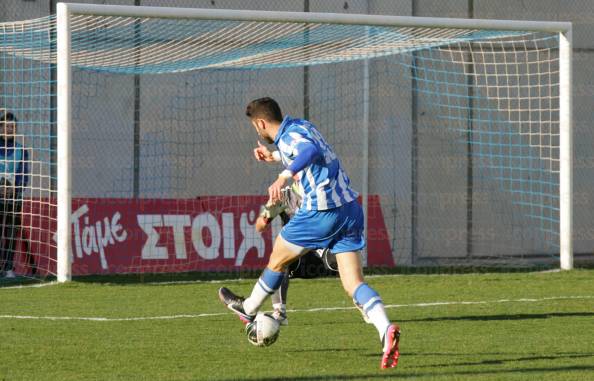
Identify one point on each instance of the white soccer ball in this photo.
(263, 331)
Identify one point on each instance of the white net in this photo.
(463, 129)
(27, 152)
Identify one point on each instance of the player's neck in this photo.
(274, 130)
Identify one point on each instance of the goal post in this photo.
(426, 33)
(64, 120)
(565, 150)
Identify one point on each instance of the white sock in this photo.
(252, 304)
(276, 298)
(280, 306)
(377, 315)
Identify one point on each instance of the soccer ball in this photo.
(263, 331)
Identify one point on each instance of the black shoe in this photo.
(235, 304)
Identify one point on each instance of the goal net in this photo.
(454, 133)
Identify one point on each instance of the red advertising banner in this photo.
(213, 233)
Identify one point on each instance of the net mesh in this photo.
(463, 138)
(27, 153)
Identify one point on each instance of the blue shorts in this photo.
(339, 229)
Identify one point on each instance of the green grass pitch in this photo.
(518, 326)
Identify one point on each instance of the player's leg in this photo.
(10, 232)
(3, 253)
(329, 261)
(350, 270)
(271, 279)
(351, 276)
(279, 298)
(279, 301)
(282, 255)
(347, 245)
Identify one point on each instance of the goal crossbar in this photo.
(317, 18)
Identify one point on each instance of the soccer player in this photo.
(14, 174)
(330, 217)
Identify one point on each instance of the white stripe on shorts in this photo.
(296, 249)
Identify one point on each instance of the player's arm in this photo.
(308, 153)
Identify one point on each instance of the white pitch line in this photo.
(36, 285)
(172, 317)
(523, 300)
(320, 309)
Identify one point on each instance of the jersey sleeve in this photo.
(304, 151)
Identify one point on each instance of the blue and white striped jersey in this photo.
(324, 184)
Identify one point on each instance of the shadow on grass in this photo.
(500, 317)
(159, 279)
(328, 350)
(397, 373)
(519, 358)
(22, 281)
(254, 274)
(500, 361)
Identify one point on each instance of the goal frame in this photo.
(64, 88)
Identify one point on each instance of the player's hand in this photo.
(262, 153)
(261, 224)
(274, 191)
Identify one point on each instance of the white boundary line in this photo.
(321, 309)
(36, 285)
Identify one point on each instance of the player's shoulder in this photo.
(294, 134)
(298, 128)
(298, 125)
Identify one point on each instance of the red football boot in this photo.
(390, 341)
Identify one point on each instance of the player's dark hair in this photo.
(264, 108)
(7, 116)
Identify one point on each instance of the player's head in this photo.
(265, 115)
(7, 123)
